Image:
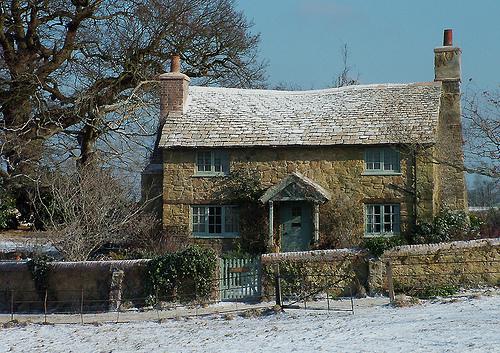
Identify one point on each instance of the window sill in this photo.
(378, 235)
(382, 173)
(209, 175)
(216, 236)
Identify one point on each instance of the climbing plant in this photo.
(39, 267)
(182, 276)
(244, 188)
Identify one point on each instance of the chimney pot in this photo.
(448, 38)
(175, 63)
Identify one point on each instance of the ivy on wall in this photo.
(39, 267)
(182, 276)
(244, 188)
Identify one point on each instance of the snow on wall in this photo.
(313, 255)
(429, 248)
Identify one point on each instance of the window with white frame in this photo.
(382, 161)
(382, 219)
(212, 163)
(215, 221)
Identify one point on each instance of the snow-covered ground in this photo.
(460, 325)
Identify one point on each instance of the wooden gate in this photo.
(240, 279)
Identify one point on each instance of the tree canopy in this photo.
(76, 68)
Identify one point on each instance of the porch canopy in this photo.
(295, 187)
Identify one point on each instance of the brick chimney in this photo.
(447, 59)
(173, 89)
(449, 176)
(173, 96)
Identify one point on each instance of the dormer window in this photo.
(212, 163)
(382, 161)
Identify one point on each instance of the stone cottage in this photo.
(393, 152)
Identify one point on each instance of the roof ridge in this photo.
(320, 91)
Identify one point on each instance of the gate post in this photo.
(390, 281)
(277, 286)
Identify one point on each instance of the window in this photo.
(382, 219)
(215, 221)
(382, 161)
(209, 163)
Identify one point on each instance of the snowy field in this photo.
(460, 325)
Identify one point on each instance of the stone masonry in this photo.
(338, 169)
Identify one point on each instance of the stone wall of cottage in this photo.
(338, 169)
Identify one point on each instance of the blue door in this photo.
(296, 226)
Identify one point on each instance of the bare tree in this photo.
(87, 208)
(82, 67)
(481, 115)
(344, 77)
(484, 193)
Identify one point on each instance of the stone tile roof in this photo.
(365, 114)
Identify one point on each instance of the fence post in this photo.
(390, 281)
(277, 286)
(45, 307)
(12, 304)
(81, 306)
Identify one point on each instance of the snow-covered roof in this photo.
(364, 114)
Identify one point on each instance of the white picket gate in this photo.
(240, 279)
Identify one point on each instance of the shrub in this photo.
(447, 226)
(339, 222)
(429, 291)
(7, 210)
(488, 222)
(183, 276)
(39, 267)
(377, 245)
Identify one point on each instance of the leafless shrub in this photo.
(87, 208)
(339, 223)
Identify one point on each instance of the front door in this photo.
(296, 226)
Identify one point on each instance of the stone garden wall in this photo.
(65, 283)
(431, 267)
(339, 272)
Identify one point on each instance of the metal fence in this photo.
(313, 291)
(82, 305)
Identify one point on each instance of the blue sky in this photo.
(389, 41)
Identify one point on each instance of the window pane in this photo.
(214, 219)
(203, 161)
(199, 219)
(217, 162)
(231, 221)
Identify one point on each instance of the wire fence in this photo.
(88, 306)
(81, 305)
(313, 291)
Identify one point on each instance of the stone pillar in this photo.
(449, 175)
(115, 292)
(316, 223)
(271, 226)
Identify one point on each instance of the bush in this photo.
(183, 276)
(428, 291)
(447, 226)
(339, 222)
(39, 267)
(377, 245)
(488, 222)
(7, 210)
